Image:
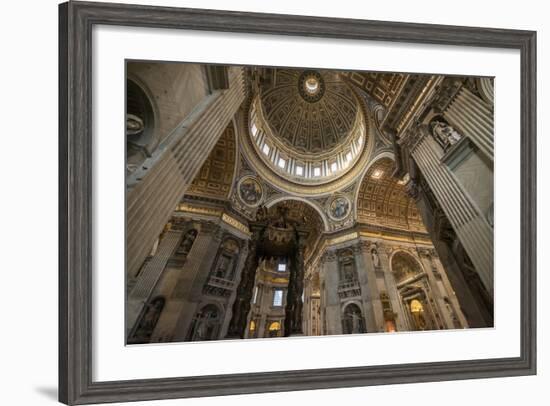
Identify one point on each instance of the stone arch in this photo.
(149, 97)
(278, 199)
(379, 156)
(206, 323)
(353, 318)
(147, 321)
(382, 200)
(407, 256)
(141, 123)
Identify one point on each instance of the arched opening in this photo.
(284, 235)
(140, 123)
(145, 326)
(417, 310)
(274, 329)
(206, 324)
(414, 290)
(352, 320)
(404, 267)
(382, 199)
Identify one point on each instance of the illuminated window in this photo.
(416, 306)
(281, 163)
(377, 174)
(275, 326)
(360, 140)
(266, 149)
(317, 171)
(254, 130)
(299, 170)
(278, 297)
(281, 267)
(348, 156)
(312, 85)
(334, 167)
(274, 329)
(252, 325)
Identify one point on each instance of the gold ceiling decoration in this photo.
(309, 111)
(216, 174)
(383, 87)
(382, 200)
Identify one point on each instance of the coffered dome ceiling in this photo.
(309, 131)
(309, 111)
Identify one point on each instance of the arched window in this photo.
(142, 332)
(206, 324)
(352, 321)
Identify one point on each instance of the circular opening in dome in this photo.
(312, 85)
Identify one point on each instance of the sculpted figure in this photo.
(444, 133)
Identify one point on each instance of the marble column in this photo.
(241, 305)
(471, 227)
(370, 295)
(329, 275)
(472, 116)
(154, 190)
(149, 276)
(294, 305)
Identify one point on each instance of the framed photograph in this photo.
(258, 202)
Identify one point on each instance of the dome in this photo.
(307, 126)
(309, 111)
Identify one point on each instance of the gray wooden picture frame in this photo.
(76, 20)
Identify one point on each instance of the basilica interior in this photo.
(271, 202)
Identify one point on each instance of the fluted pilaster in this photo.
(188, 289)
(474, 117)
(370, 294)
(156, 188)
(472, 229)
(149, 276)
(331, 303)
(391, 288)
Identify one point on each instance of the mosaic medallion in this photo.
(339, 208)
(250, 191)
